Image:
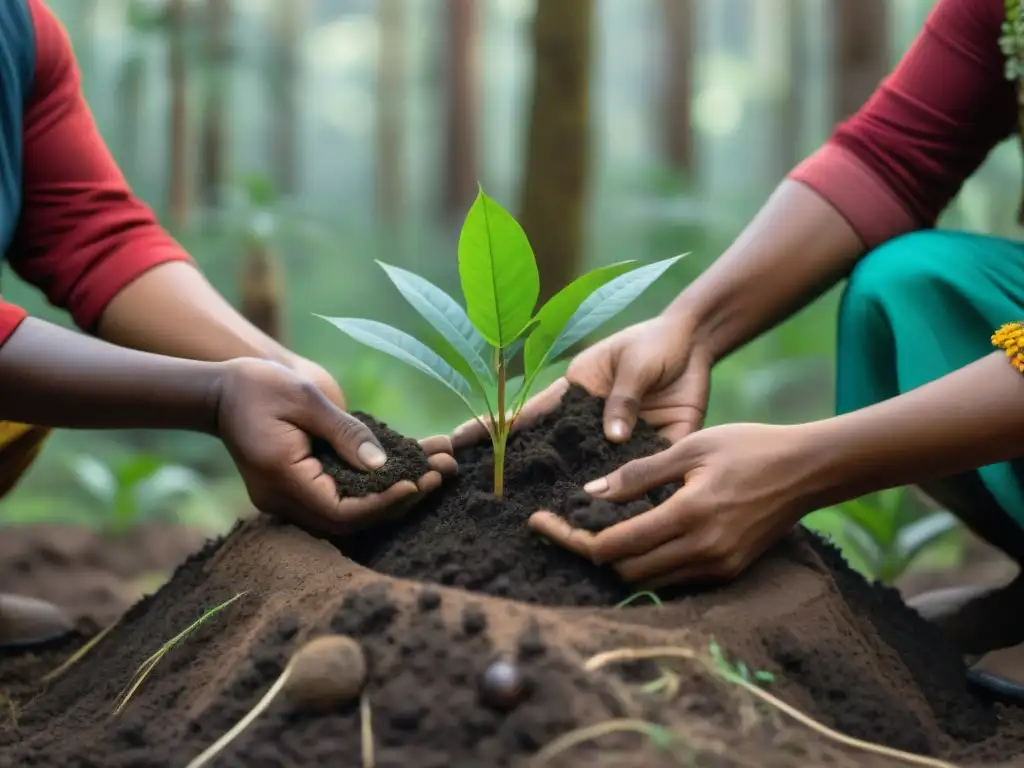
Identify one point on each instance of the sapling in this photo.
(501, 285)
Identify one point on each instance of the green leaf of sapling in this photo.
(512, 350)
(498, 272)
(446, 316)
(406, 348)
(914, 538)
(559, 308)
(607, 301)
(870, 519)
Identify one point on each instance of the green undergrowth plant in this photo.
(134, 488)
(888, 533)
(501, 286)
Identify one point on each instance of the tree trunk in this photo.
(675, 106)
(262, 289)
(861, 41)
(291, 19)
(558, 143)
(179, 194)
(460, 171)
(213, 140)
(390, 98)
(130, 89)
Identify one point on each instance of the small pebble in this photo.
(474, 620)
(429, 600)
(501, 685)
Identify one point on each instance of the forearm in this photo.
(53, 377)
(796, 247)
(968, 419)
(173, 310)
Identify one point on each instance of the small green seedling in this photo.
(501, 285)
(888, 535)
(640, 596)
(134, 488)
(737, 670)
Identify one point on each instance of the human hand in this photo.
(652, 370)
(324, 381)
(745, 486)
(265, 413)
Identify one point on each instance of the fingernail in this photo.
(596, 486)
(371, 455)
(618, 430)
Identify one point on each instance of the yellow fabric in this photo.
(19, 446)
(1010, 338)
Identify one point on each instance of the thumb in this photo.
(352, 439)
(639, 476)
(622, 406)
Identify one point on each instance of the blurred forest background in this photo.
(289, 143)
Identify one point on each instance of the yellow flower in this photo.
(1010, 338)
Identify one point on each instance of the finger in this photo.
(437, 444)
(443, 463)
(645, 532)
(429, 482)
(695, 389)
(557, 530)
(673, 555)
(309, 489)
(637, 477)
(352, 439)
(471, 432)
(543, 403)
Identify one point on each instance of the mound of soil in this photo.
(93, 577)
(847, 653)
(467, 537)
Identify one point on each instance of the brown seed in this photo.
(501, 685)
(325, 674)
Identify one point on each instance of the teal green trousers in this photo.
(920, 307)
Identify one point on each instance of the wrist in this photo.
(695, 324)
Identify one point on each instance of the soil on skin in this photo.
(846, 653)
(406, 461)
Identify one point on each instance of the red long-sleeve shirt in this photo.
(898, 162)
(81, 236)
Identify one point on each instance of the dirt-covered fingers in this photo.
(558, 531)
(639, 476)
(439, 454)
(644, 533)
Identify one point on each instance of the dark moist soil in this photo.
(465, 536)
(847, 653)
(406, 461)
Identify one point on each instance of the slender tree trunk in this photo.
(861, 41)
(133, 77)
(213, 161)
(460, 172)
(390, 98)
(558, 143)
(179, 193)
(290, 22)
(263, 289)
(676, 119)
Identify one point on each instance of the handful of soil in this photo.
(463, 535)
(406, 461)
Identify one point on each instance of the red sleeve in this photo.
(895, 165)
(82, 235)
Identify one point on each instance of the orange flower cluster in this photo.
(1010, 338)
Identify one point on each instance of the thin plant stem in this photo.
(148, 665)
(218, 746)
(78, 655)
(571, 739)
(633, 598)
(665, 652)
(501, 430)
(366, 731)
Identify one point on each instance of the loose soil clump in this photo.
(469, 677)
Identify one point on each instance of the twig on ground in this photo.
(670, 652)
(660, 735)
(366, 731)
(78, 655)
(149, 664)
